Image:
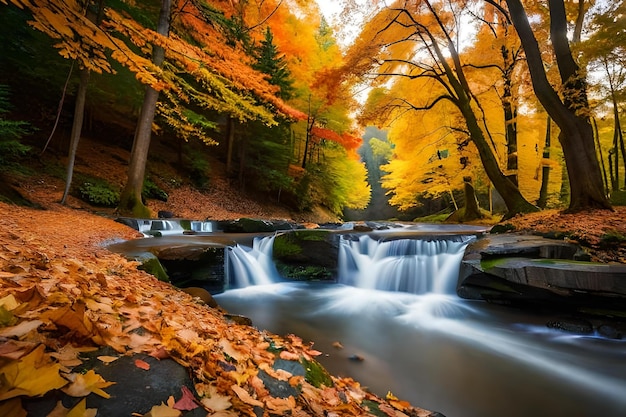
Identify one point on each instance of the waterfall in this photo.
(247, 266)
(406, 265)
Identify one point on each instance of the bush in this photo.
(151, 190)
(99, 193)
(11, 131)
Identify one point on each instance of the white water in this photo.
(423, 343)
(403, 265)
(247, 266)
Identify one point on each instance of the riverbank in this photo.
(63, 293)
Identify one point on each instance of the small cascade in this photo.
(202, 227)
(247, 266)
(164, 227)
(405, 265)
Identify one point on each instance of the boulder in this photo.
(521, 269)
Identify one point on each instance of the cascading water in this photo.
(415, 266)
(247, 266)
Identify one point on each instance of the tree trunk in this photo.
(77, 127)
(513, 198)
(576, 137)
(130, 200)
(601, 156)
(545, 168)
(230, 143)
(471, 210)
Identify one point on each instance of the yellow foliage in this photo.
(32, 375)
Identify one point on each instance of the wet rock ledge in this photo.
(546, 274)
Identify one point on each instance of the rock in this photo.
(201, 294)
(135, 390)
(571, 325)
(306, 255)
(612, 331)
(238, 319)
(534, 271)
(165, 214)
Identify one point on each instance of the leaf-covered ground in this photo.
(601, 232)
(62, 293)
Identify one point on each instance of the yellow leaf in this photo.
(9, 302)
(107, 359)
(83, 385)
(81, 410)
(33, 375)
(163, 411)
(12, 408)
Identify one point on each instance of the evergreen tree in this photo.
(271, 62)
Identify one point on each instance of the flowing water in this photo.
(404, 330)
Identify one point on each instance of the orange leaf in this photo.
(142, 364)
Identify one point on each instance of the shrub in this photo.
(11, 131)
(151, 190)
(99, 193)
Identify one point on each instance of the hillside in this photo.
(41, 181)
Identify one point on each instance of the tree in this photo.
(395, 31)
(571, 112)
(130, 198)
(605, 49)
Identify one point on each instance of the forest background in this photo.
(261, 98)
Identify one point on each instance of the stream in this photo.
(394, 323)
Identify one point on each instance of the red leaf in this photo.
(187, 402)
(142, 364)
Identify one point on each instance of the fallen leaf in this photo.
(21, 329)
(15, 349)
(245, 397)
(82, 385)
(142, 364)
(289, 356)
(213, 400)
(79, 410)
(162, 411)
(33, 375)
(67, 356)
(12, 408)
(228, 349)
(107, 359)
(9, 302)
(187, 402)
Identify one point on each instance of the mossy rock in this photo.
(151, 264)
(306, 255)
(316, 374)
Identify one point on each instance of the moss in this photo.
(304, 273)
(311, 235)
(373, 408)
(284, 246)
(151, 265)
(612, 238)
(316, 374)
(502, 228)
